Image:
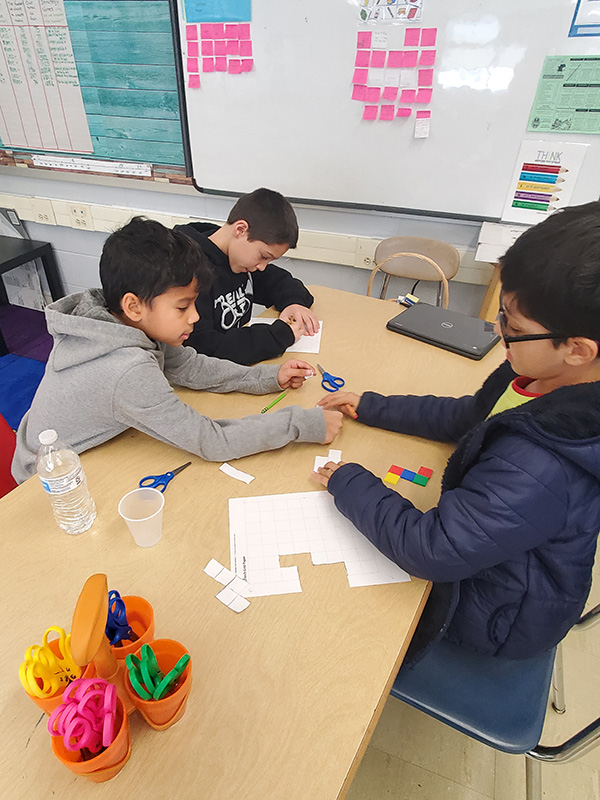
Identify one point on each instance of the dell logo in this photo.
(447, 325)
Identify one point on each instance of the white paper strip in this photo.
(236, 473)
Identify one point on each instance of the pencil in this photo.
(277, 399)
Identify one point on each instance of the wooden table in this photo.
(286, 694)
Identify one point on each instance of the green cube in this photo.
(421, 480)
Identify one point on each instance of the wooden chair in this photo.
(418, 259)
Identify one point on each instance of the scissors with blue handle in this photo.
(161, 482)
(330, 382)
(117, 627)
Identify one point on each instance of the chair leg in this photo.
(558, 683)
(384, 287)
(439, 297)
(533, 779)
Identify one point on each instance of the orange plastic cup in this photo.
(140, 616)
(161, 714)
(105, 765)
(48, 704)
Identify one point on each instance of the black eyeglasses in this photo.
(530, 337)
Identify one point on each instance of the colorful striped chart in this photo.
(537, 188)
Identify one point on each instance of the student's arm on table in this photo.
(474, 527)
(277, 287)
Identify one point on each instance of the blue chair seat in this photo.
(498, 702)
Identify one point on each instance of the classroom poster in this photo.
(543, 180)
(218, 10)
(390, 11)
(568, 95)
(586, 19)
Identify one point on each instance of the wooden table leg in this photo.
(491, 301)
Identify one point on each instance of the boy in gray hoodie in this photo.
(117, 351)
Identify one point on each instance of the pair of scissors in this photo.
(117, 627)
(329, 382)
(146, 677)
(86, 719)
(43, 673)
(161, 482)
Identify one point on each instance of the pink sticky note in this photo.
(387, 112)
(233, 47)
(208, 65)
(247, 64)
(208, 47)
(194, 81)
(370, 112)
(359, 92)
(221, 64)
(360, 76)
(244, 30)
(423, 114)
(192, 65)
(218, 30)
(246, 48)
(423, 96)
(411, 37)
(427, 58)
(409, 58)
(408, 95)
(373, 94)
(389, 93)
(404, 112)
(363, 58)
(428, 37)
(206, 30)
(221, 47)
(425, 77)
(231, 30)
(395, 58)
(378, 58)
(192, 49)
(235, 66)
(191, 33)
(363, 39)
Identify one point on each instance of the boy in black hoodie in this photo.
(260, 228)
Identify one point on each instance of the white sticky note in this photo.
(236, 473)
(422, 127)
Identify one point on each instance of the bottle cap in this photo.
(48, 437)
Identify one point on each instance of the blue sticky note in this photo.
(218, 10)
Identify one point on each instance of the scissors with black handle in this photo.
(161, 482)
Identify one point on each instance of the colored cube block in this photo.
(407, 475)
(425, 471)
(421, 480)
(391, 478)
(395, 470)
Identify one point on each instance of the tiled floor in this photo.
(413, 757)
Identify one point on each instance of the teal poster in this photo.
(218, 10)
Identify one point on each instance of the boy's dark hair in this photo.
(554, 271)
(147, 259)
(270, 217)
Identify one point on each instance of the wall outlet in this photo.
(364, 255)
(81, 217)
(43, 211)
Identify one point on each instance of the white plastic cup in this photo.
(142, 510)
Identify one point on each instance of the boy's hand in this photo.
(323, 474)
(301, 317)
(333, 425)
(346, 402)
(293, 373)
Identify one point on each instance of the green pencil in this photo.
(277, 399)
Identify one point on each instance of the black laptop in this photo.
(467, 336)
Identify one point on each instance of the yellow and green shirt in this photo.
(514, 395)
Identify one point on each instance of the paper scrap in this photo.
(333, 455)
(240, 586)
(232, 600)
(236, 473)
(217, 571)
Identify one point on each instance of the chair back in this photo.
(8, 441)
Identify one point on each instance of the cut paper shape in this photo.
(192, 49)
(359, 92)
(428, 37)
(192, 65)
(239, 586)
(363, 58)
(427, 58)
(370, 112)
(363, 39)
(423, 96)
(423, 114)
(191, 33)
(373, 94)
(208, 65)
(217, 571)
(389, 93)
(221, 48)
(409, 58)
(246, 48)
(232, 600)
(387, 112)
(378, 58)
(404, 112)
(360, 76)
(233, 47)
(391, 478)
(234, 67)
(194, 81)
(231, 30)
(218, 30)
(333, 455)
(425, 77)
(206, 30)
(208, 47)
(408, 95)
(247, 64)
(412, 37)
(243, 30)
(221, 64)
(395, 58)
(236, 473)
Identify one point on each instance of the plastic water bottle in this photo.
(63, 478)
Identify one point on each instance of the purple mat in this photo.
(25, 332)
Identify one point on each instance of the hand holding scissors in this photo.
(161, 482)
(329, 382)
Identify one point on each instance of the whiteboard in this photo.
(290, 123)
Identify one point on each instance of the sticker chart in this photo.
(262, 529)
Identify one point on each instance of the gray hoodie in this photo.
(104, 376)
